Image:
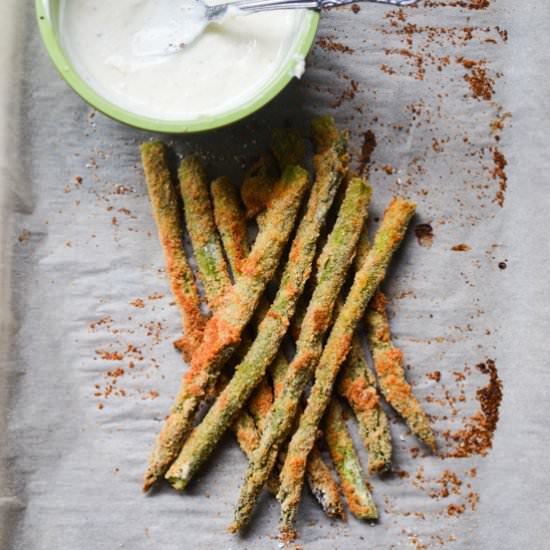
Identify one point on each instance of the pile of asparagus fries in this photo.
(236, 354)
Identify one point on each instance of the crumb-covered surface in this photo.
(445, 103)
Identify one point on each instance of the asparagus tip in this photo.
(379, 466)
(234, 528)
(287, 533)
(147, 145)
(429, 440)
(178, 484)
(324, 132)
(336, 512)
(288, 146)
(148, 481)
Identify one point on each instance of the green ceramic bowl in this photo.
(48, 16)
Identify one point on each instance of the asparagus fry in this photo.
(199, 219)
(367, 280)
(212, 265)
(358, 385)
(230, 222)
(258, 185)
(322, 485)
(319, 477)
(246, 433)
(288, 147)
(345, 459)
(332, 162)
(388, 362)
(243, 426)
(167, 216)
(295, 329)
(223, 330)
(334, 262)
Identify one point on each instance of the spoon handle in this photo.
(267, 5)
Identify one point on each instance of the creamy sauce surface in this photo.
(113, 45)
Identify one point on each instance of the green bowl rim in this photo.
(63, 65)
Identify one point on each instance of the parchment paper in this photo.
(77, 258)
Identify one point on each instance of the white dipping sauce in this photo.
(226, 66)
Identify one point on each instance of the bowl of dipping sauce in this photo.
(233, 69)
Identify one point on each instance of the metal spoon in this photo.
(215, 13)
(193, 16)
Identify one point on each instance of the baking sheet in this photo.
(78, 260)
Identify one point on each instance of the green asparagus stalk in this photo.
(347, 463)
(288, 147)
(223, 330)
(334, 262)
(199, 219)
(357, 385)
(367, 280)
(333, 164)
(166, 211)
(246, 433)
(295, 330)
(213, 270)
(258, 184)
(388, 362)
(231, 223)
(319, 477)
(243, 426)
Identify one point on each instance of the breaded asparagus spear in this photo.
(223, 331)
(347, 463)
(199, 219)
(231, 224)
(358, 385)
(367, 280)
(258, 185)
(295, 330)
(319, 477)
(388, 362)
(334, 262)
(288, 147)
(166, 210)
(332, 163)
(213, 271)
(246, 433)
(243, 426)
